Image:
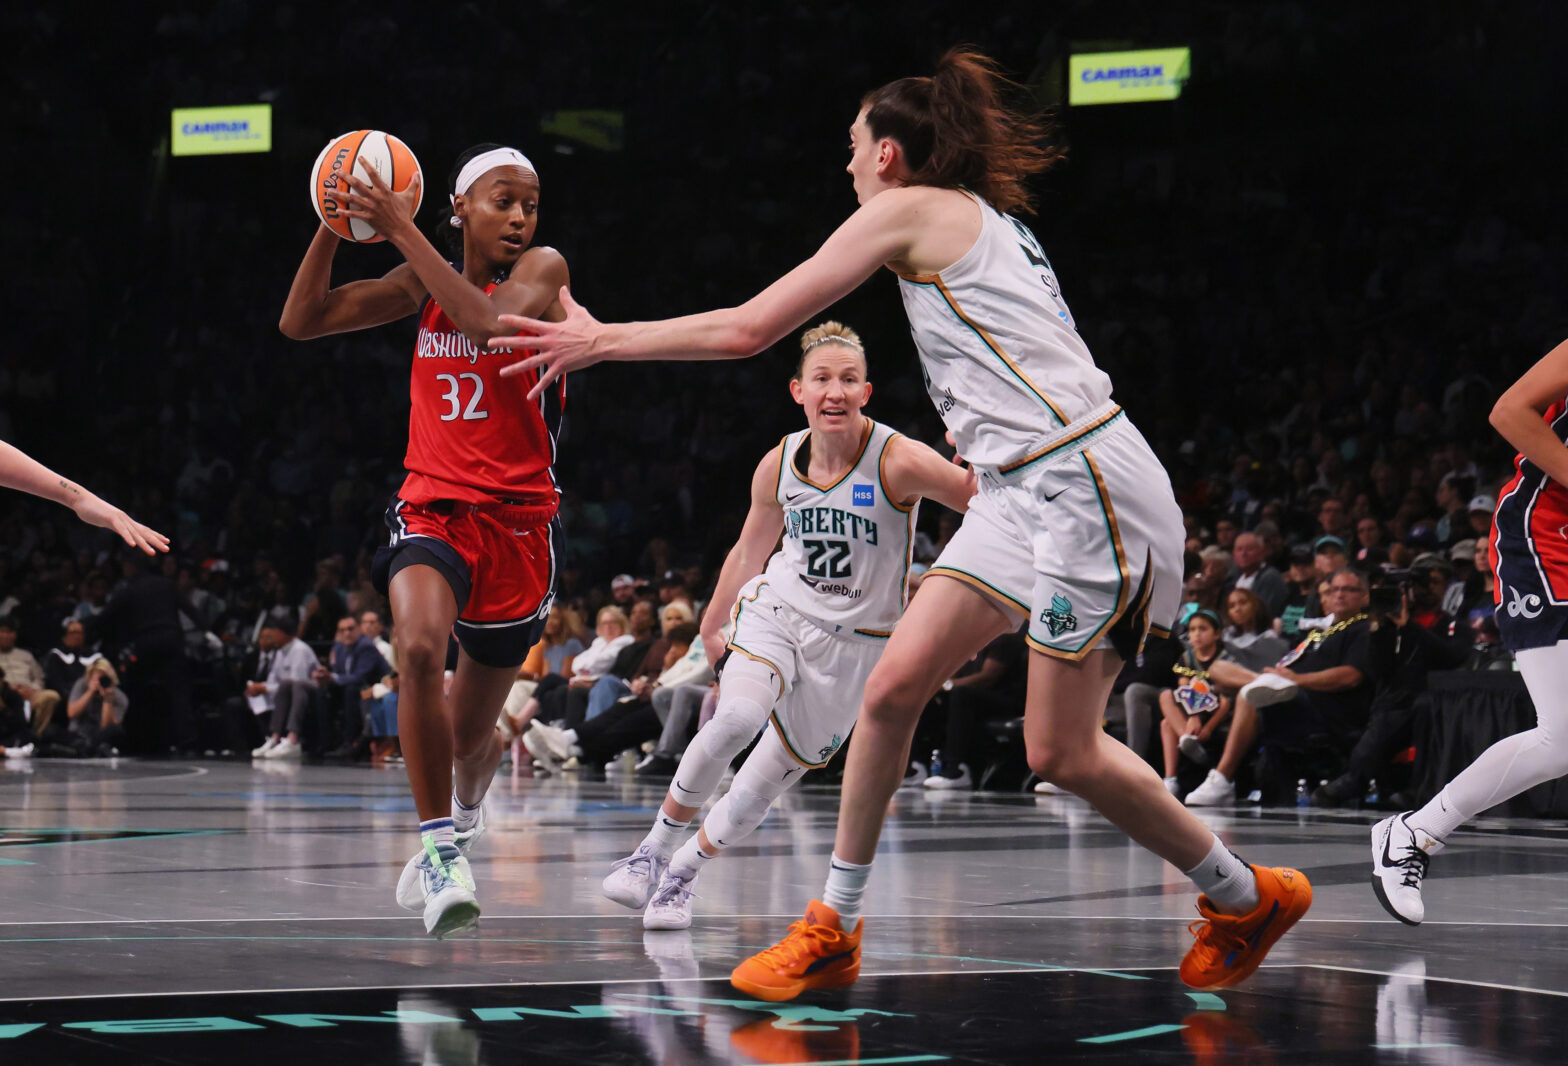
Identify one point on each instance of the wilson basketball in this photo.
(359, 153)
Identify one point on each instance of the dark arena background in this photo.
(1310, 274)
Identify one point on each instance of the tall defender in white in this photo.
(1074, 528)
(808, 627)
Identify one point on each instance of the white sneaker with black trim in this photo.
(261, 752)
(1400, 857)
(632, 880)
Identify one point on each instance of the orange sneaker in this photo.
(815, 953)
(1230, 946)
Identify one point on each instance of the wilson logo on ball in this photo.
(359, 153)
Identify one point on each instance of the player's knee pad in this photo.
(736, 815)
(746, 695)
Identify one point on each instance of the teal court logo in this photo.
(785, 1017)
(1059, 617)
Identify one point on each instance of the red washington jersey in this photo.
(472, 434)
(1529, 550)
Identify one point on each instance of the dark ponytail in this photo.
(955, 130)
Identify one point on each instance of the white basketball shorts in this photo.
(821, 676)
(1085, 540)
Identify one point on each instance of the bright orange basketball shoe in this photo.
(1229, 947)
(815, 953)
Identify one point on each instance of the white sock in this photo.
(1440, 817)
(1229, 883)
(437, 830)
(689, 861)
(845, 888)
(570, 736)
(665, 836)
(464, 817)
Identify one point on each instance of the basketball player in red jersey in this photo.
(1529, 550)
(474, 534)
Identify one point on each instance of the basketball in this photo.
(359, 153)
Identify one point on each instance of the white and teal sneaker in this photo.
(410, 890)
(447, 887)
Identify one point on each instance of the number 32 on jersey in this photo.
(455, 387)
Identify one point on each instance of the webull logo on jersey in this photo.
(829, 521)
(1059, 618)
(862, 496)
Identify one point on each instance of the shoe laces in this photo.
(641, 856)
(1215, 938)
(672, 891)
(802, 939)
(1414, 863)
(444, 871)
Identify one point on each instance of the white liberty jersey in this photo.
(1000, 355)
(844, 559)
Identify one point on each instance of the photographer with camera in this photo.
(1413, 636)
(96, 710)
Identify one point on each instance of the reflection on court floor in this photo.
(200, 913)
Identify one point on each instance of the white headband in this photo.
(833, 338)
(495, 157)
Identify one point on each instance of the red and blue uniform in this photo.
(1529, 551)
(480, 500)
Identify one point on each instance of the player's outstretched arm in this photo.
(912, 470)
(764, 523)
(879, 232)
(20, 471)
(1517, 413)
(315, 309)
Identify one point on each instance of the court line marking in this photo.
(500, 986)
(1379, 920)
(1428, 977)
(1029, 967)
(1371, 973)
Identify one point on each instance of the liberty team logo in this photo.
(826, 751)
(1059, 619)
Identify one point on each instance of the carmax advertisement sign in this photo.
(221, 130)
(1127, 77)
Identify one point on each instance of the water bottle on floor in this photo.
(1303, 798)
(936, 762)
